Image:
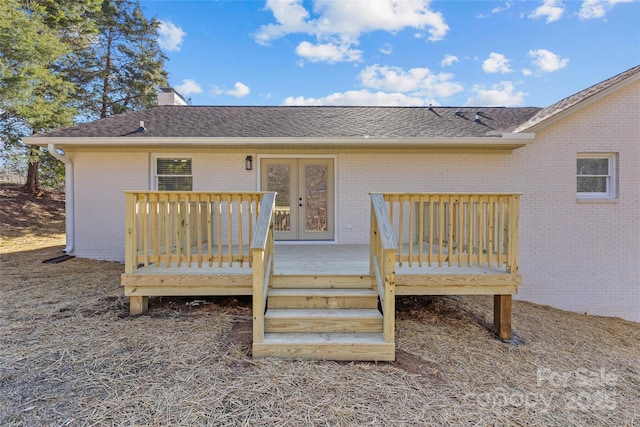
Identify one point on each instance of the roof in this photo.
(302, 122)
(583, 97)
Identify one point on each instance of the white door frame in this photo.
(335, 189)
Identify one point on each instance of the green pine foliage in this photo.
(66, 61)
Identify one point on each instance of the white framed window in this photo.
(173, 173)
(596, 175)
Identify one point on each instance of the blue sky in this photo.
(394, 52)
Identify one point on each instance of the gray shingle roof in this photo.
(571, 101)
(303, 122)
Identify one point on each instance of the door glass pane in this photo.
(316, 198)
(279, 180)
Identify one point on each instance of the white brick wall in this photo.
(575, 256)
(100, 178)
(579, 257)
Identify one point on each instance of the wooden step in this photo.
(323, 298)
(321, 281)
(325, 346)
(311, 320)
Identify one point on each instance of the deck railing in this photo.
(189, 228)
(455, 229)
(262, 251)
(382, 263)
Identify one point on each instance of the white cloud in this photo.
(593, 9)
(500, 94)
(448, 60)
(360, 97)
(547, 61)
(496, 63)
(342, 22)
(526, 72)
(386, 49)
(416, 81)
(240, 90)
(170, 36)
(496, 10)
(328, 52)
(188, 87)
(349, 17)
(291, 17)
(551, 9)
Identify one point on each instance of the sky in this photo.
(393, 52)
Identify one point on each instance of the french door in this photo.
(304, 203)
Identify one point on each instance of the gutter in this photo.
(69, 197)
(505, 141)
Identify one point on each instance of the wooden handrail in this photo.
(186, 228)
(462, 229)
(382, 263)
(262, 252)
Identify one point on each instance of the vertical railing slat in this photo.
(199, 229)
(440, 230)
(400, 227)
(156, 230)
(144, 217)
(230, 230)
(421, 230)
(450, 225)
(166, 214)
(186, 226)
(490, 231)
(209, 231)
(507, 235)
(219, 221)
(240, 249)
(513, 234)
(431, 229)
(411, 207)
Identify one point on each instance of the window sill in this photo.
(598, 200)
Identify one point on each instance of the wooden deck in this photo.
(306, 263)
(323, 301)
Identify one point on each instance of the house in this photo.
(573, 164)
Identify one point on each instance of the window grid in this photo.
(595, 175)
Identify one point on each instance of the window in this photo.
(596, 175)
(174, 174)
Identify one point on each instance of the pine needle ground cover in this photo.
(71, 355)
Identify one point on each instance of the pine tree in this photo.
(33, 96)
(127, 65)
(73, 60)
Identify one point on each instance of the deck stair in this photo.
(331, 318)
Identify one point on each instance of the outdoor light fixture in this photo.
(248, 163)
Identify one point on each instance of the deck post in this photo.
(130, 251)
(138, 305)
(502, 316)
(389, 309)
(258, 297)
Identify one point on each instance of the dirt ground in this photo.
(70, 355)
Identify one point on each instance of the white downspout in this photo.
(69, 197)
